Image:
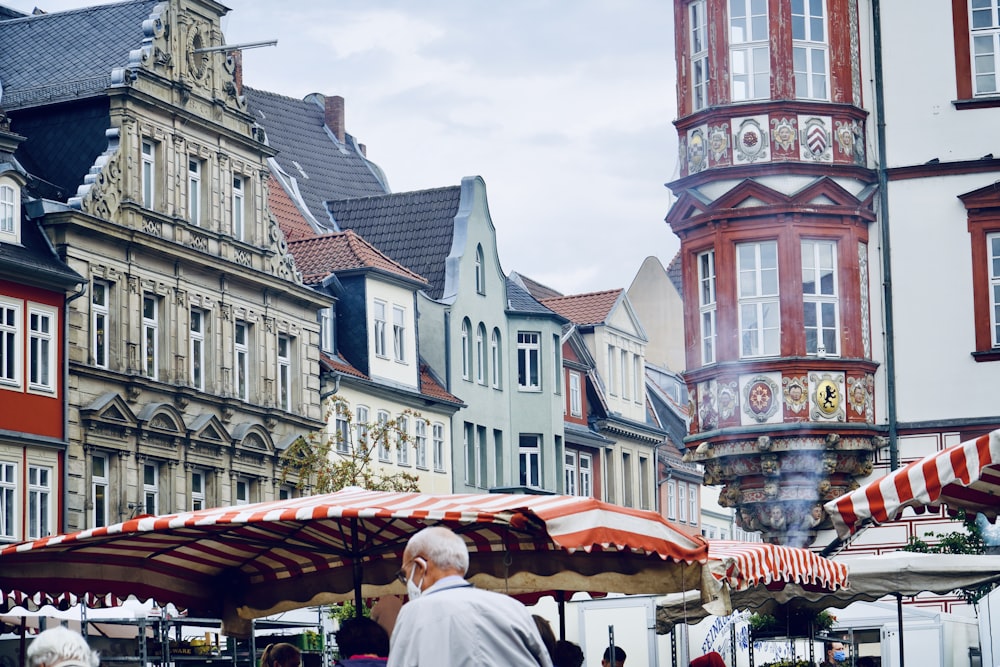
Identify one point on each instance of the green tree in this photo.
(331, 459)
(969, 540)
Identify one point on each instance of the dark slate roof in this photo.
(520, 301)
(413, 228)
(535, 288)
(675, 273)
(35, 67)
(34, 262)
(8, 13)
(323, 168)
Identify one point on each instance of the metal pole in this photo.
(899, 620)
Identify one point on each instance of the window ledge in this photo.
(986, 355)
(977, 103)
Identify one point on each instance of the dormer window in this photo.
(10, 212)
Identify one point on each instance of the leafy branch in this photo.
(969, 540)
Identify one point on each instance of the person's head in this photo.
(567, 654)
(619, 657)
(281, 655)
(430, 555)
(61, 646)
(712, 659)
(835, 652)
(545, 630)
(362, 636)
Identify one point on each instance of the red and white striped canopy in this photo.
(963, 477)
(243, 562)
(744, 565)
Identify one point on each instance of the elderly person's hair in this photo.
(61, 646)
(442, 547)
(361, 636)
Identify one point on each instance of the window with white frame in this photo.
(693, 503)
(643, 483)
(437, 442)
(672, 500)
(402, 440)
(623, 368)
(760, 312)
(481, 354)
(810, 50)
(150, 488)
(637, 379)
(197, 490)
(471, 454)
(361, 428)
(557, 368)
(420, 442)
(8, 500)
(575, 396)
(399, 333)
(100, 296)
(39, 502)
(495, 352)
(528, 359)
(241, 353)
(820, 303)
(480, 271)
(699, 55)
(151, 335)
(239, 230)
(569, 473)
(327, 340)
(242, 491)
(627, 491)
(530, 453)
(611, 371)
(284, 372)
(749, 54)
(286, 491)
(194, 191)
(196, 351)
(148, 173)
(383, 439)
(586, 475)
(466, 355)
(682, 506)
(706, 305)
(379, 314)
(985, 33)
(10, 223)
(100, 477)
(10, 342)
(341, 430)
(41, 348)
(993, 255)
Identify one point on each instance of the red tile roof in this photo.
(319, 256)
(429, 386)
(338, 364)
(592, 308)
(290, 220)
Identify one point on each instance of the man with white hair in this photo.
(61, 647)
(448, 622)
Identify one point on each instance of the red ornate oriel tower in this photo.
(773, 208)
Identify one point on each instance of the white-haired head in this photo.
(61, 647)
(441, 546)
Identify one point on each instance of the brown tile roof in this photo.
(319, 256)
(429, 386)
(338, 364)
(592, 308)
(290, 220)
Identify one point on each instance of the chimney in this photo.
(237, 57)
(333, 115)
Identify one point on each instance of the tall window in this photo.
(7, 220)
(39, 502)
(194, 191)
(241, 353)
(557, 367)
(471, 454)
(682, 507)
(420, 442)
(627, 492)
(643, 483)
(99, 310)
(398, 333)
(239, 231)
(575, 398)
(810, 49)
(466, 341)
(985, 30)
(99, 483)
(10, 342)
(569, 473)
(693, 503)
(284, 372)
(41, 349)
(151, 335)
(148, 173)
(437, 439)
(637, 378)
(242, 491)
(481, 354)
(749, 56)
(327, 341)
(623, 367)
(529, 453)
(402, 446)
(380, 326)
(383, 440)
(8, 499)
(760, 316)
(197, 490)
(672, 500)
(528, 356)
(197, 349)
(361, 428)
(820, 307)
(480, 271)
(993, 254)
(341, 430)
(495, 358)
(611, 370)
(706, 305)
(699, 55)
(150, 488)
(586, 475)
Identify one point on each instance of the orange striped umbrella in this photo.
(244, 562)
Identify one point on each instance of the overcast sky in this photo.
(564, 107)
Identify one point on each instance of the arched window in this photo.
(480, 272)
(481, 354)
(495, 358)
(466, 353)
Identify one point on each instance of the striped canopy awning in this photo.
(963, 477)
(244, 562)
(743, 565)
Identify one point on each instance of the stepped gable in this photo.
(34, 66)
(323, 167)
(413, 228)
(320, 256)
(585, 309)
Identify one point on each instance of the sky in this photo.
(564, 107)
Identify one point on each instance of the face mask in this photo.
(413, 588)
(840, 656)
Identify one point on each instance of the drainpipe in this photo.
(65, 401)
(883, 202)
